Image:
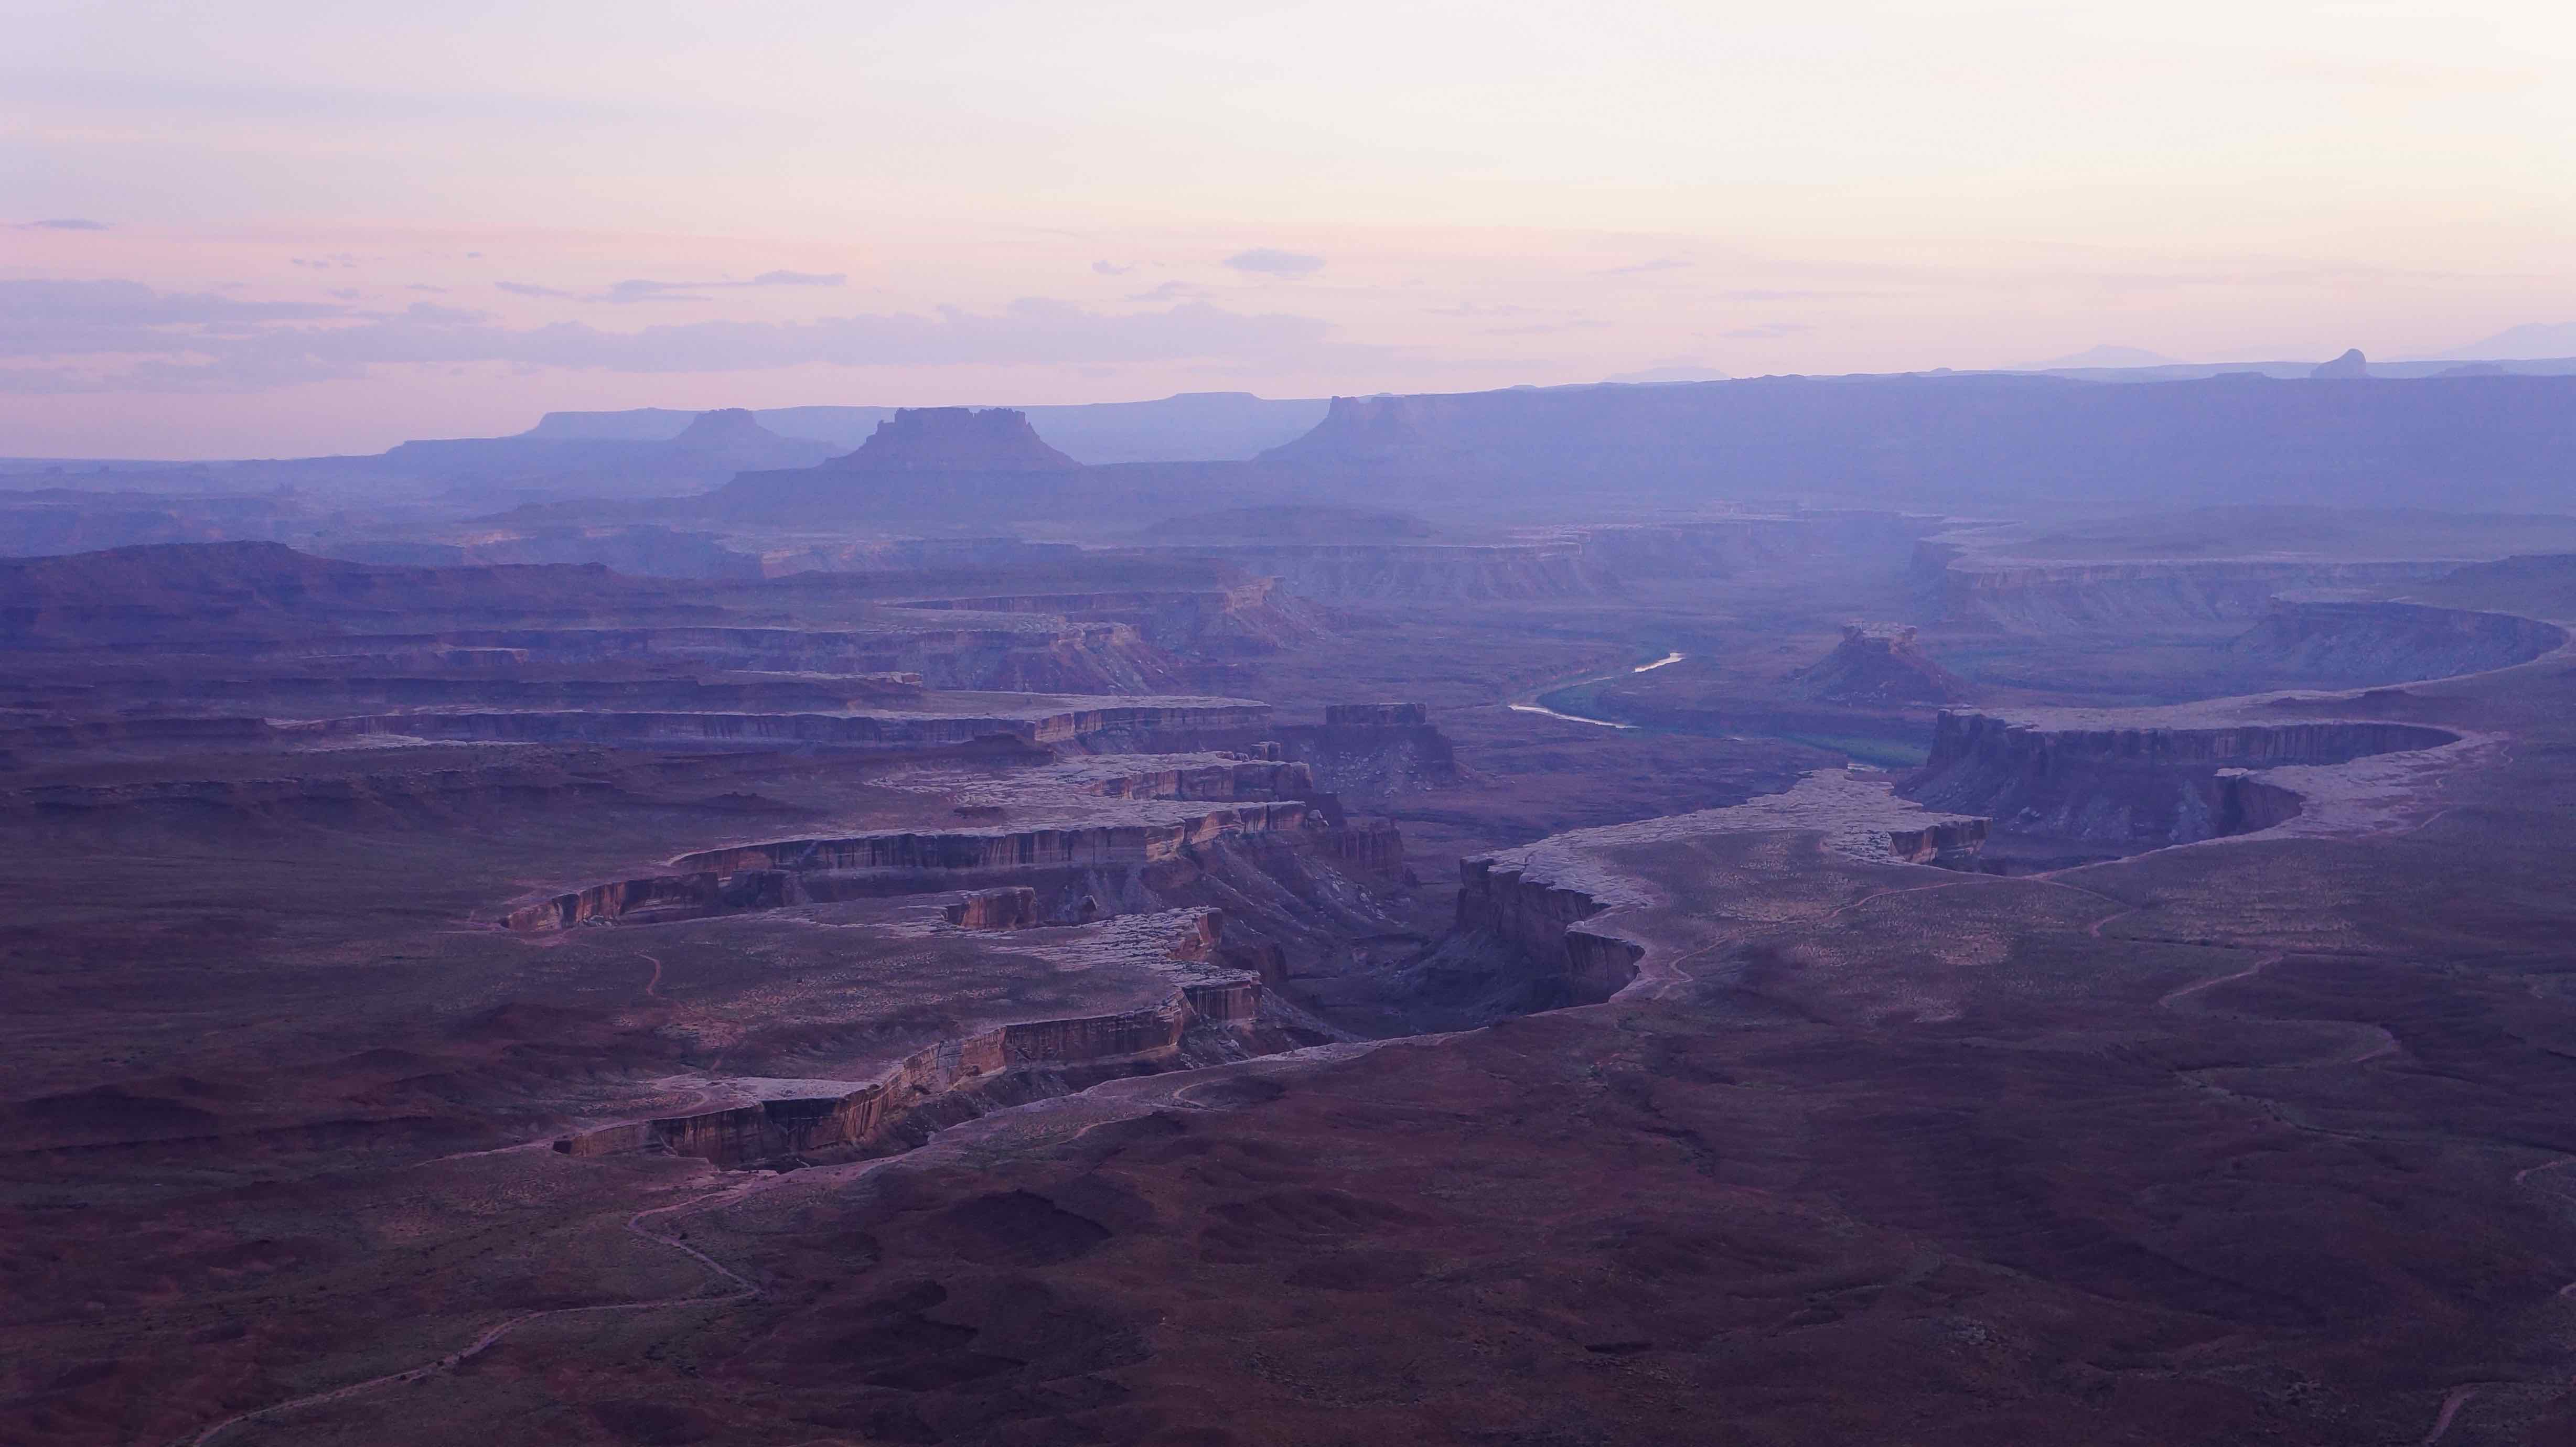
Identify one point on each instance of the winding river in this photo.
(1529, 702)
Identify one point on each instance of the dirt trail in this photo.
(2452, 1401)
(740, 1289)
(1170, 1091)
(653, 986)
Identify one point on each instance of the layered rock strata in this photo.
(1011, 907)
(798, 871)
(2146, 779)
(872, 1112)
(886, 729)
(2148, 596)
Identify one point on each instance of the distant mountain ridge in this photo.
(1186, 427)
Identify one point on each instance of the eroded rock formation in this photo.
(1535, 901)
(1011, 907)
(1879, 664)
(888, 729)
(2145, 784)
(1203, 995)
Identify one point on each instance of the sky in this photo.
(274, 229)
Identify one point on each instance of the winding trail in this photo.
(653, 986)
(2452, 1401)
(1170, 1091)
(740, 1288)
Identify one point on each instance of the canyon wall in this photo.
(1203, 996)
(1498, 899)
(1011, 907)
(2143, 785)
(2146, 597)
(2362, 644)
(850, 730)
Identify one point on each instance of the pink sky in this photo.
(291, 244)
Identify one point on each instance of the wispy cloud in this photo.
(1770, 330)
(644, 289)
(1111, 268)
(1639, 268)
(63, 223)
(1271, 261)
(1169, 291)
(87, 337)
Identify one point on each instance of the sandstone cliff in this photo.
(874, 1113)
(2155, 784)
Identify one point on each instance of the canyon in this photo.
(977, 941)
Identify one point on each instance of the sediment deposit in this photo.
(1538, 898)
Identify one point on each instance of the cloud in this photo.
(345, 293)
(425, 286)
(1111, 268)
(1770, 330)
(88, 318)
(643, 289)
(188, 342)
(63, 223)
(1169, 291)
(1483, 309)
(1271, 261)
(1661, 263)
(1759, 295)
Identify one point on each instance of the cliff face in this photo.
(2146, 597)
(1398, 571)
(2137, 786)
(1373, 750)
(885, 730)
(1140, 861)
(2360, 644)
(1015, 907)
(1015, 849)
(1008, 655)
(1253, 617)
(931, 1079)
(1376, 715)
(1496, 897)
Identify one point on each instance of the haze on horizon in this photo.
(272, 229)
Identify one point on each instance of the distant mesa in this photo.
(1878, 663)
(722, 429)
(956, 440)
(2350, 365)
